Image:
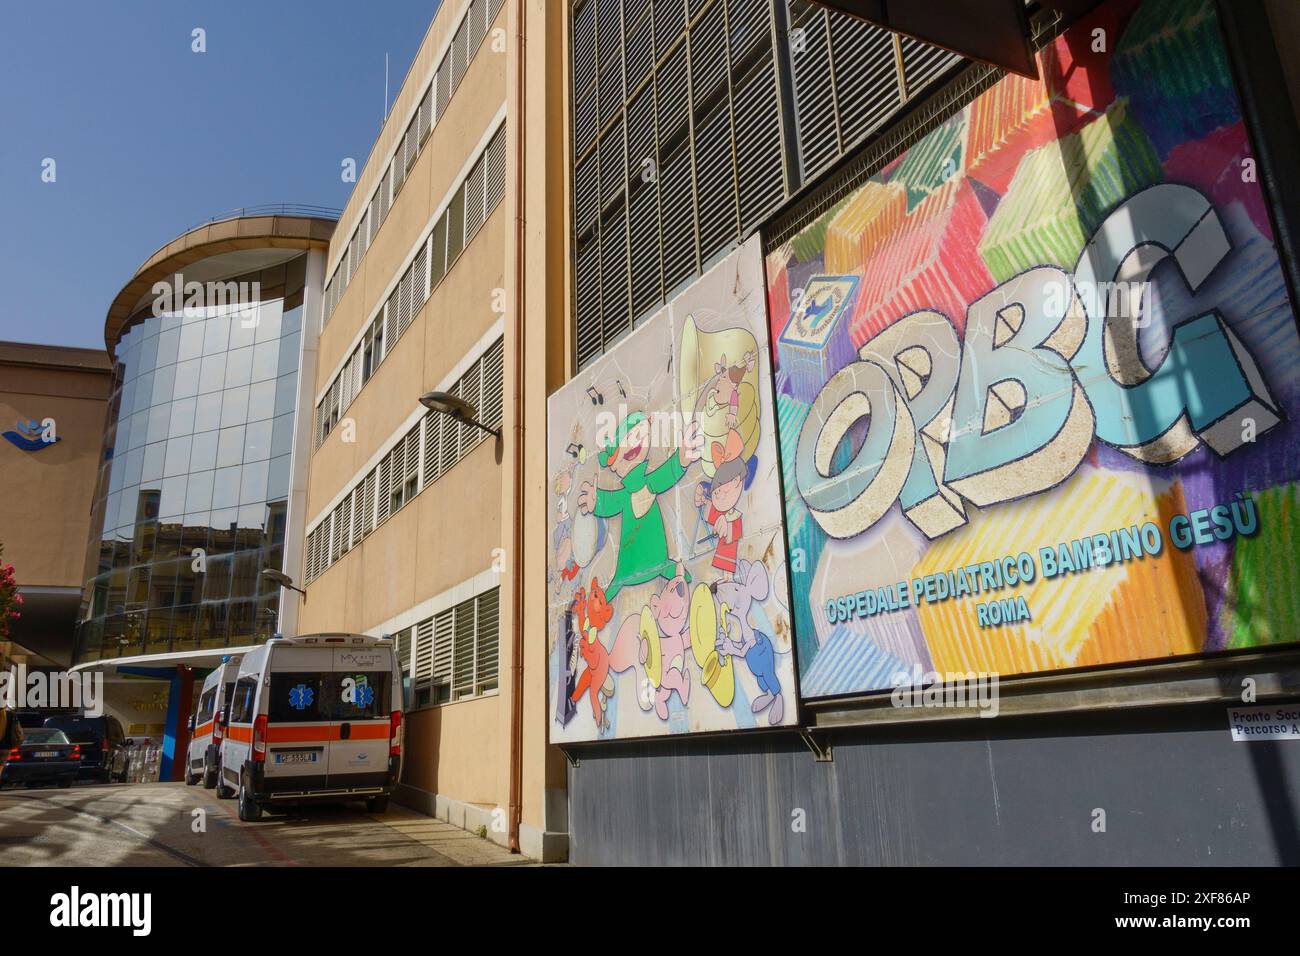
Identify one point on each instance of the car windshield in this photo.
(79, 729)
(45, 735)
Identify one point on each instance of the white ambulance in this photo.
(207, 725)
(314, 717)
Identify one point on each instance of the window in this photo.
(241, 700)
(456, 653)
(433, 105)
(693, 122)
(426, 452)
(297, 697)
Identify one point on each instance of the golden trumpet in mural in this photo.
(719, 671)
(719, 381)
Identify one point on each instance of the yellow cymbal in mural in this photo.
(718, 669)
(701, 351)
(649, 632)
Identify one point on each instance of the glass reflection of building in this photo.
(195, 477)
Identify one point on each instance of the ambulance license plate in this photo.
(308, 756)
(46, 753)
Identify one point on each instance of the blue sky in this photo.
(150, 138)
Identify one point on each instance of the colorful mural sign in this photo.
(1036, 379)
(667, 581)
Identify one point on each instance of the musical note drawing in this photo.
(574, 449)
(596, 397)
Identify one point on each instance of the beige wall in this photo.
(449, 532)
(45, 504)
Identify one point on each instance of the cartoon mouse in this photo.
(723, 495)
(727, 391)
(669, 608)
(754, 647)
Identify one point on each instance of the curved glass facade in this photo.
(194, 481)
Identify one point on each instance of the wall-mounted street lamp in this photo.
(444, 403)
(282, 579)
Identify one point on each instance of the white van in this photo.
(207, 725)
(315, 717)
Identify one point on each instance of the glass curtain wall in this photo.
(194, 481)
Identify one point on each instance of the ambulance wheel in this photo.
(249, 811)
(209, 777)
(377, 804)
(224, 792)
(191, 778)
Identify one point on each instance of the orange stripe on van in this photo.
(310, 733)
(202, 730)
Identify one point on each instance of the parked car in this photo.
(46, 756)
(104, 753)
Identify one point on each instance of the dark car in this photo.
(46, 756)
(104, 754)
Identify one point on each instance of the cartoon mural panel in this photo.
(1036, 379)
(668, 610)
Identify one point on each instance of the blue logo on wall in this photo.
(31, 435)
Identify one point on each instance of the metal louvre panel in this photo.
(923, 63)
(444, 631)
(494, 7)
(462, 683)
(615, 319)
(670, 23)
(385, 185)
(431, 462)
(357, 370)
(643, 204)
(456, 226)
(487, 641)
(749, 26)
(866, 76)
(345, 524)
(442, 85)
(490, 409)
(758, 143)
(677, 210)
(438, 252)
(584, 77)
(375, 216)
(474, 199)
(424, 117)
(404, 290)
(640, 43)
(419, 270)
(813, 96)
(309, 566)
(644, 234)
(613, 235)
(587, 305)
(385, 476)
(328, 299)
(671, 96)
(363, 231)
(368, 502)
(496, 171)
(424, 651)
(609, 48)
(458, 57)
(411, 142)
(586, 195)
(390, 324)
(450, 441)
(584, 123)
(477, 22)
(358, 511)
(398, 169)
(413, 453)
(714, 183)
(708, 57)
(471, 387)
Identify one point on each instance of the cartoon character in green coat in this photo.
(643, 542)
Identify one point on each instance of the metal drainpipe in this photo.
(516, 592)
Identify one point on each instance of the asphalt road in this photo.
(170, 824)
